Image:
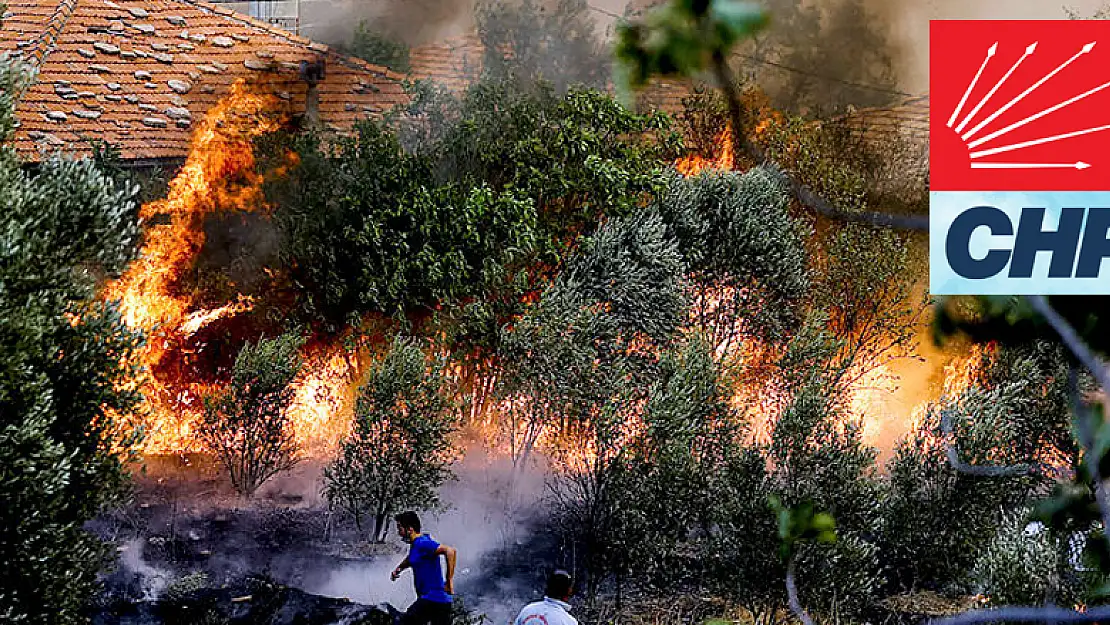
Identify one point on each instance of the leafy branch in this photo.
(689, 37)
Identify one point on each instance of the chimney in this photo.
(312, 72)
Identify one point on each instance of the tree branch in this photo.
(806, 196)
(792, 595)
(971, 469)
(1072, 340)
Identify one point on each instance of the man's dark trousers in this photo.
(425, 612)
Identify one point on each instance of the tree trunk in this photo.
(381, 523)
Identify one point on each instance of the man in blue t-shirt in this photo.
(433, 592)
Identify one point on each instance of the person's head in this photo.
(408, 526)
(560, 585)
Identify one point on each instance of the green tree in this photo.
(579, 360)
(621, 295)
(865, 287)
(400, 448)
(744, 253)
(1010, 416)
(1027, 562)
(246, 424)
(691, 468)
(580, 156)
(64, 372)
(369, 231)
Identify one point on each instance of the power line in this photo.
(604, 11)
(850, 83)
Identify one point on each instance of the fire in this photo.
(202, 318)
(961, 373)
(218, 175)
(326, 392)
(725, 160)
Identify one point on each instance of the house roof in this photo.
(909, 119)
(140, 73)
(454, 64)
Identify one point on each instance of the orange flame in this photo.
(326, 392)
(218, 175)
(725, 160)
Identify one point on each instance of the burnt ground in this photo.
(186, 536)
(191, 552)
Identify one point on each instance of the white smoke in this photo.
(482, 515)
(152, 580)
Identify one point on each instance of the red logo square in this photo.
(1019, 105)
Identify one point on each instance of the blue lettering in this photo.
(1096, 244)
(958, 244)
(1061, 243)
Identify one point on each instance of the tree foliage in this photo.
(400, 448)
(553, 41)
(744, 253)
(461, 206)
(1010, 415)
(63, 373)
(246, 424)
(367, 230)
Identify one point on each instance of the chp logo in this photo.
(1019, 165)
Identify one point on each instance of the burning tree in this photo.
(246, 424)
(399, 451)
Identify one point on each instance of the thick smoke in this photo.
(908, 22)
(189, 522)
(899, 27)
(482, 519)
(411, 21)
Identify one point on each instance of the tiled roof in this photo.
(138, 73)
(453, 64)
(666, 95)
(908, 119)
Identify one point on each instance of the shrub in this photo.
(63, 373)
(246, 424)
(400, 450)
(1019, 565)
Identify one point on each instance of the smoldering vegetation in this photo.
(188, 539)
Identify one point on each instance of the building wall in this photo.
(283, 13)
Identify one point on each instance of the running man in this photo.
(554, 609)
(433, 592)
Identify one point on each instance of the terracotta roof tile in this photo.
(908, 119)
(140, 71)
(453, 64)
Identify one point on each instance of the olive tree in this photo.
(246, 424)
(400, 449)
(64, 372)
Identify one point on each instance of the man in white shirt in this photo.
(554, 609)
